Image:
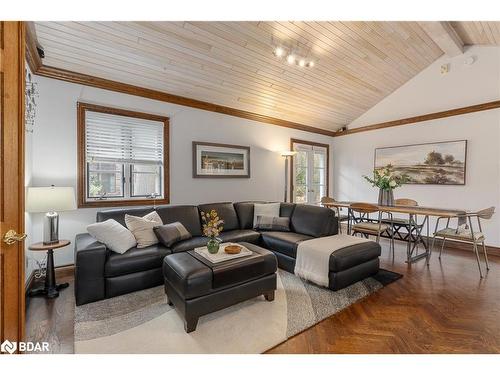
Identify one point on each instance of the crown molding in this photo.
(421, 118)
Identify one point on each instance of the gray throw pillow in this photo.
(279, 224)
(169, 234)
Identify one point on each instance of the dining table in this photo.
(414, 235)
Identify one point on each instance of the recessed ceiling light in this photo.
(310, 64)
(279, 52)
(290, 59)
(302, 63)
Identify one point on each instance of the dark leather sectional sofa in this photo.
(101, 273)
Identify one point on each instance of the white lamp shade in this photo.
(288, 153)
(48, 199)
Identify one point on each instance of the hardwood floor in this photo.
(445, 308)
(52, 320)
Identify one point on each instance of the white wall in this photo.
(54, 157)
(430, 92)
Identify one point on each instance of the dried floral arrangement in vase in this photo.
(212, 226)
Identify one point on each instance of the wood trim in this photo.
(102, 83)
(32, 58)
(12, 76)
(82, 203)
(325, 145)
(421, 118)
(196, 175)
(464, 246)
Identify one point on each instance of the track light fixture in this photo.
(291, 58)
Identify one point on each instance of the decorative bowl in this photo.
(232, 249)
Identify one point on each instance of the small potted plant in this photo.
(386, 180)
(212, 226)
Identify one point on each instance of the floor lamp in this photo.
(288, 156)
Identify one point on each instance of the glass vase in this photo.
(213, 245)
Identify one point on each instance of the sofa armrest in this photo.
(90, 258)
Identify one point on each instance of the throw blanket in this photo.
(313, 256)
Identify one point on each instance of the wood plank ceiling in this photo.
(357, 64)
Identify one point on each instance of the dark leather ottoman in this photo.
(197, 287)
(353, 263)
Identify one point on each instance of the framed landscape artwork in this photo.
(441, 163)
(220, 160)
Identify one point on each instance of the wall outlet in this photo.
(445, 68)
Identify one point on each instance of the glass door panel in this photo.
(309, 173)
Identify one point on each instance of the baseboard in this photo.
(67, 270)
(465, 246)
(453, 244)
(30, 282)
(61, 271)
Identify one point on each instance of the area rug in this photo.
(143, 322)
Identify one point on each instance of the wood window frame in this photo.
(82, 167)
(293, 141)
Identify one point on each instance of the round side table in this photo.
(50, 289)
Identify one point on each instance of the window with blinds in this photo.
(124, 156)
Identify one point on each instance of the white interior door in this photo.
(309, 173)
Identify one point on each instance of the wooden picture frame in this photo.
(219, 160)
(447, 165)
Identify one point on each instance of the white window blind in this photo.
(123, 139)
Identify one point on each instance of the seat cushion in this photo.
(353, 255)
(190, 244)
(240, 235)
(135, 260)
(370, 227)
(226, 212)
(283, 242)
(459, 234)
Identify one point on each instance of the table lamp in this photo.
(49, 200)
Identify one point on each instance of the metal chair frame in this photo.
(483, 214)
(364, 211)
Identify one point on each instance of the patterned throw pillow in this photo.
(169, 234)
(142, 228)
(280, 224)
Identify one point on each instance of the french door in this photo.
(11, 183)
(309, 171)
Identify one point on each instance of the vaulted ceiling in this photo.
(232, 64)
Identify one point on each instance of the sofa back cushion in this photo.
(226, 212)
(118, 214)
(286, 209)
(187, 215)
(313, 220)
(244, 210)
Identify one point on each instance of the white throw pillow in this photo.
(265, 209)
(142, 228)
(112, 234)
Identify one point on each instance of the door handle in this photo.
(12, 237)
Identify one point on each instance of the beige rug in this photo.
(143, 322)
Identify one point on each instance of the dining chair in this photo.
(341, 217)
(400, 223)
(464, 233)
(366, 226)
